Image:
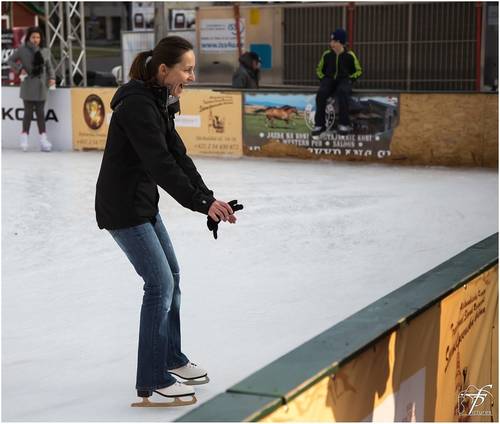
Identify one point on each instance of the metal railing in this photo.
(401, 46)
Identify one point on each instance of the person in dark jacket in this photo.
(32, 61)
(248, 74)
(143, 150)
(337, 70)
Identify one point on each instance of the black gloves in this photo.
(214, 225)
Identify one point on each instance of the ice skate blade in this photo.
(195, 382)
(177, 401)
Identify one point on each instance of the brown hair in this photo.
(169, 51)
(32, 30)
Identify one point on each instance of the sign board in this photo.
(210, 122)
(219, 35)
(91, 116)
(288, 119)
(57, 119)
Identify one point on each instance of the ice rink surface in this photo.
(316, 242)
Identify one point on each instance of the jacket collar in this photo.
(31, 46)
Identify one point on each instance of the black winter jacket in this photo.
(339, 67)
(143, 150)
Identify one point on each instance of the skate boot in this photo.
(177, 391)
(23, 142)
(45, 144)
(191, 373)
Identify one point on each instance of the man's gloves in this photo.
(214, 225)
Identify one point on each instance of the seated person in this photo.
(337, 69)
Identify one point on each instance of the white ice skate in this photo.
(177, 391)
(45, 144)
(191, 373)
(23, 142)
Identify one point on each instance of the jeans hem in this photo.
(158, 386)
(178, 366)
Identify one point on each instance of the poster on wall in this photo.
(210, 122)
(182, 19)
(219, 35)
(143, 15)
(91, 116)
(289, 118)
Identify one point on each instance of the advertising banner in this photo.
(287, 120)
(11, 40)
(7, 51)
(219, 35)
(391, 381)
(57, 119)
(441, 365)
(210, 122)
(467, 386)
(91, 116)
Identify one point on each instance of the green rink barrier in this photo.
(284, 379)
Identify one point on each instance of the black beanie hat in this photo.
(339, 35)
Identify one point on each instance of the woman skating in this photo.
(143, 150)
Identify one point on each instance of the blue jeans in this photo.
(149, 249)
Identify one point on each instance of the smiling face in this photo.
(178, 76)
(35, 38)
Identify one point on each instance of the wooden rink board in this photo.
(434, 129)
(405, 357)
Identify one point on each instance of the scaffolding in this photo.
(65, 34)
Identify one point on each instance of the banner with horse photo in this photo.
(280, 125)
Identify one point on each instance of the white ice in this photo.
(316, 242)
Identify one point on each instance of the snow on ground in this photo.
(316, 242)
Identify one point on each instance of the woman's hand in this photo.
(52, 82)
(213, 223)
(221, 211)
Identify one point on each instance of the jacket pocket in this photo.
(146, 198)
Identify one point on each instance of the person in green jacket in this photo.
(337, 69)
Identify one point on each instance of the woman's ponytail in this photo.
(168, 51)
(140, 69)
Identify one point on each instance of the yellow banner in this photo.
(467, 386)
(210, 122)
(386, 382)
(91, 116)
(439, 366)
